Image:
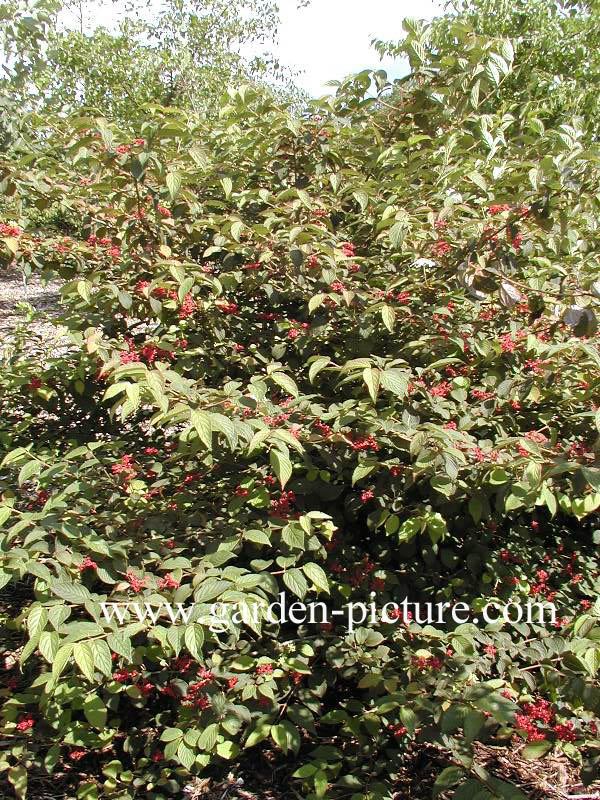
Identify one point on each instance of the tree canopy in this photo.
(59, 58)
(557, 64)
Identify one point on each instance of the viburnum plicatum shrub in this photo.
(351, 356)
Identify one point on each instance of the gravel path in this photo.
(43, 297)
(14, 290)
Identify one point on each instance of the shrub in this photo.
(351, 357)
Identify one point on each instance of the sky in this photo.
(331, 39)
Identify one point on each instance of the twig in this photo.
(540, 664)
(595, 796)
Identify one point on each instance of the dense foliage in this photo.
(557, 40)
(352, 356)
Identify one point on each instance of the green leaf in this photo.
(362, 198)
(533, 750)
(227, 185)
(120, 644)
(485, 698)
(436, 527)
(293, 537)
(321, 783)
(84, 659)
(475, 508)
(11, 244)
(224, 425)
(36, 620)
(102, 657)
(592, 476)
(228, 750)
(171, 735)
(285, 436)
(28, 471)
(361, 471)
(443, 484)
(201, 421)
(208, 738)
(297, 257)
(388, 315)
(410, 528)
(304, 197)
(296, 582)
(281, 465)
(185, 755)
(126, 300)
(591, 659)
(137, 168)
(285, 382)
(84, 289)
(261, 731)
(317, 575)
(315, 301)
(173, 181)
(259, 437)
(473, 723)
(396, 234)
(17, 776)
(395, 381)
(317, 366)
(113, 769)
(286, 736)
(392, 524)
(513, 502)
(259, 537)
(61, 659)
(71, 592)
(447, 778)
(48, 645)
(87, 791)
(29, 648)
(95, 711)
(371, 377)
(507, 50)
(15, 455)
(478, 180)
(305, 771)
(194, 639)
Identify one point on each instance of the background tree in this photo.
(179, 53)
(557, 41)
